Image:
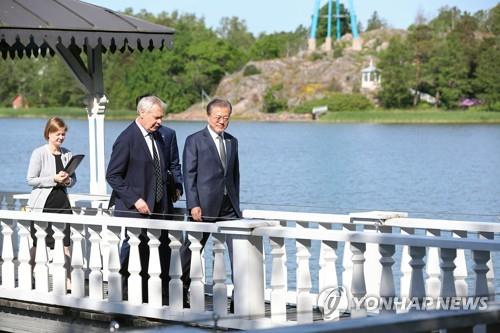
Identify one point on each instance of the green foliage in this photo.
(272, 103)
(277, 45)
(345, 23)
(396, 75)
(487, 74)
(337, 102)
(375, 22)
(251, 70)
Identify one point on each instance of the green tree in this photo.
(375, 22)
(235, 32)
(488, 80)
(395, 66)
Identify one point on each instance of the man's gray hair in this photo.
(146, 104)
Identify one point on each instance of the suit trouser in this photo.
(164, 250)
(226, 212)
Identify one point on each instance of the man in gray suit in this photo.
(211, 175)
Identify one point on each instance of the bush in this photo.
(273, 104)
(251, 70)
(337, 102)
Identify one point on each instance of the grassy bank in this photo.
(413, 117)
(63, 112)
(374, 116)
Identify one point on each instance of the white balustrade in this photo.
(154, 269)
(175, 285)
(197, 287)
(8, 279)
(490, 275)
(77, 272)
(95, 266)
(219, 275)
(433, 281)
(248, 263)
(59, 273)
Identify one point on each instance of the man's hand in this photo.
(142, 207)
(196, 214)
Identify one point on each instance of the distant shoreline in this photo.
(410, 116)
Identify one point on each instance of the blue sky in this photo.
(286, 15)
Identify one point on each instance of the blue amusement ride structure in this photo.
(356, 43)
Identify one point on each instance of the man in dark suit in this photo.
(137, 175)
(211, 176)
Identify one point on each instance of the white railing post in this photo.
(447, 267)
(77, 273)
(303, 279)
(24, 257)
(175, 284)
(41, 259)
(490, 275)
(248, 266)
(481, 268)
(154, 269)
(387, 289)
(404, 287)
(278, 278)
(327, 275)
(197, 287)
(134, 267)
(95, 265)
(417, 263)
(358, 284)
(460, 271)
(433, 282)
(219, 275)
(8, 279)
(114, 276)
(372, 263)
(60, 274)
(347, 260)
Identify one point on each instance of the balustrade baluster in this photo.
(41, 269)
(219, 275)
(481, 268)
(278, 278)
(77, 272)
(134, 267)
(347, 260)
(460, 271)
(447, 267)
(303, 278)
(114, 276)
(387, 289)
(8, 278)
(372, 264)
(417, 263)
(95, 265)
(175, 284)
(24, 270)
(60, 273)
(490, 275)
(358, 283)
(197, 287)
(404, 287)
(433, 281)
(154, 269)
(327, 275)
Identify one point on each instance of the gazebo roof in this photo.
(36, 26)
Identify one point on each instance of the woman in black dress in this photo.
(49, 181)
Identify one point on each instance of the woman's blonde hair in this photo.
(54, 124)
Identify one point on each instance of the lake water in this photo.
(433, 171)
(440, 171)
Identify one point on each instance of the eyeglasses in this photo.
(219, 118)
